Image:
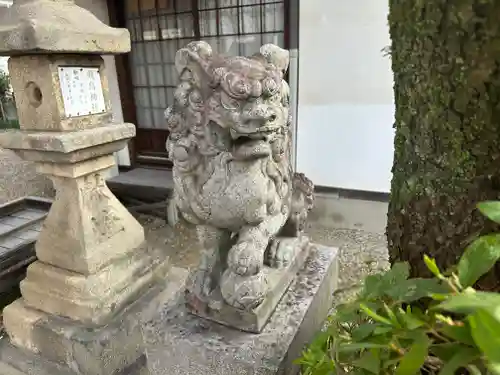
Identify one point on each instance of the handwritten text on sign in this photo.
(81, 89)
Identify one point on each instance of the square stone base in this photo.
(179, 343)
(215, 308)
(62, 347)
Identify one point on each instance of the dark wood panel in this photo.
(151, 142)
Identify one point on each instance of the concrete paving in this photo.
(333, 211)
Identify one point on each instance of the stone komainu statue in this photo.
(230, 143)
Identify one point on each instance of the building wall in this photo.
(346, 105)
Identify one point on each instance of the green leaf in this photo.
(432, 266)
(415, 357)
(369, 361)
(360, 346)
(347, 313)
(393, 318)
(375, 286)
(391, 362)
(380, 330)
(485, 330)
(363, 331)
(417, 312)
(490, 209)
(414, 289)
(409, 320)
(438, 296)
(445, 351)
(372, 314)
(468, 303)
(396, 285)
(460, 359)
(398, 273)
(358, 371)
(479, 257)
(474, 370)
(494, 367)
(372, 287)
(324, 366)
(457, 333)
(316, 362)
(407, 336)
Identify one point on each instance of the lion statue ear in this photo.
(193, 61)
(277, 56)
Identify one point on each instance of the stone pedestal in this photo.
(213, 307)
(96, 279)
(59, 346)
(179, 343)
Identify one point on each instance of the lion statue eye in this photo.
(236, 85)
(229, 103)
(234, 105)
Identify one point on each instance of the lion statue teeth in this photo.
(230, 143)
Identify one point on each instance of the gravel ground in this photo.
(361, 253)
(18, 178)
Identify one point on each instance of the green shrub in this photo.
(9, 124)
(4, 85)
(406, 326)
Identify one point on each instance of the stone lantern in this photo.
(95, 279)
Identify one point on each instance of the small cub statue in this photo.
(230, 143)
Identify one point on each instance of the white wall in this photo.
(346, 106)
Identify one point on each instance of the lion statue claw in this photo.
(230, 143)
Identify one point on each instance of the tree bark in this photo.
(445, 59)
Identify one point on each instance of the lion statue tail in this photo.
(302, 203)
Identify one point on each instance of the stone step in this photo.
(143, 183)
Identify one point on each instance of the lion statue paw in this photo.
(245, 259)
(243, 292)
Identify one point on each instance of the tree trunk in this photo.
(445, 58)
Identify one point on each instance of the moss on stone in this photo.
(445, 59)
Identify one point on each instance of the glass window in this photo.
(158, 28)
